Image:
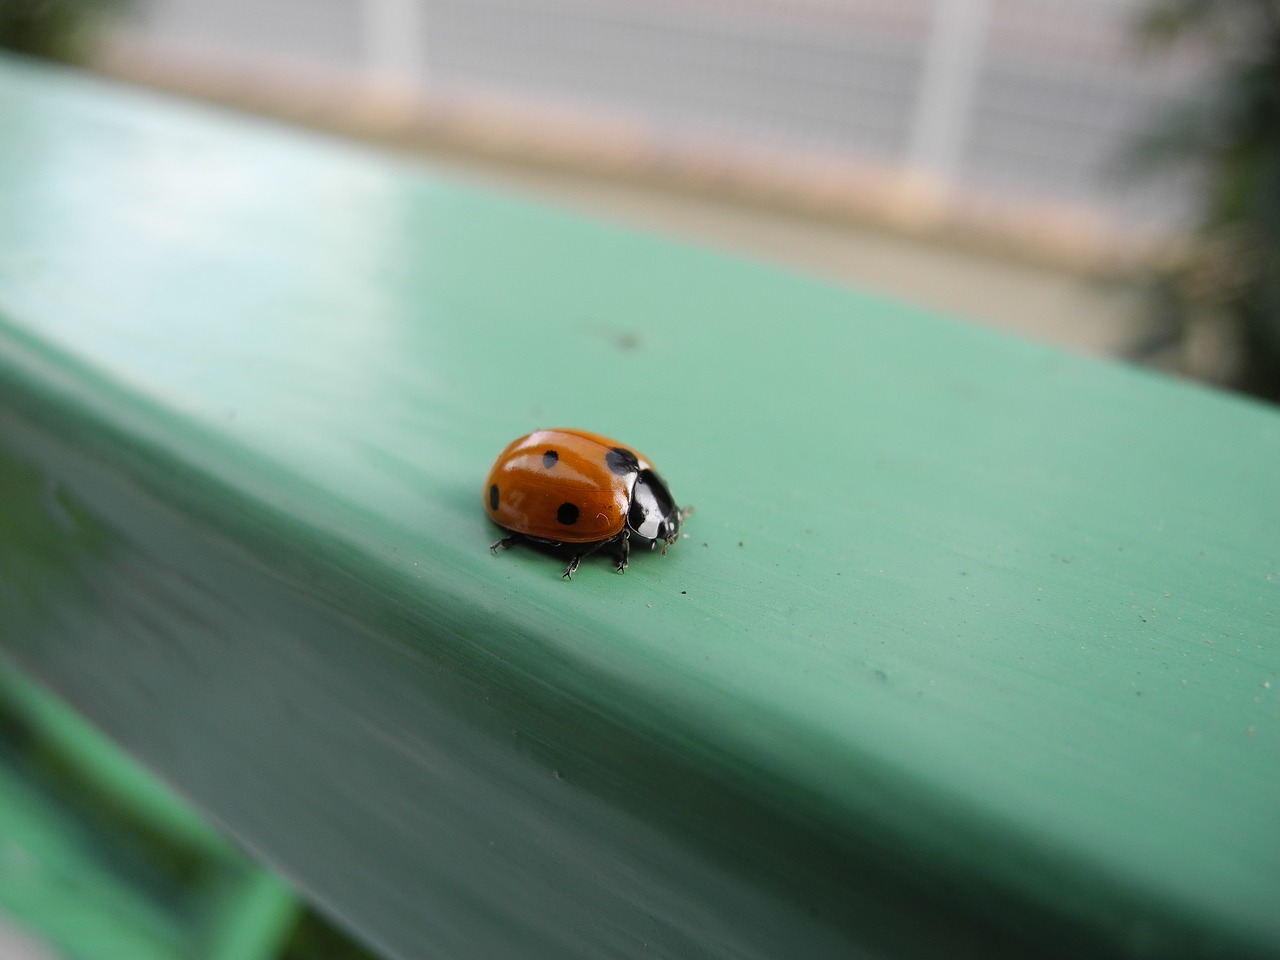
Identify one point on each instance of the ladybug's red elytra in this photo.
(581, 490)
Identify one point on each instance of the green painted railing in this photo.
(99, 860)
(972, 648)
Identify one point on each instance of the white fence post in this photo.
(944, 104)
(395, 39)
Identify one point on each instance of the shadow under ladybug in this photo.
(573, 492)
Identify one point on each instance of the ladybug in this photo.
(580, 490)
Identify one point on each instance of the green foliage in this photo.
(1230, 278)
(56, 29)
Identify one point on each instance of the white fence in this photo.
(1017, 98)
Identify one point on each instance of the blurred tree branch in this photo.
(1228, 283)
(62, 30)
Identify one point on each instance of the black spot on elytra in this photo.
(622, 461)
(567, 514)
(550, 459)
(493, 497)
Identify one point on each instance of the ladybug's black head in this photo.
(654, 515)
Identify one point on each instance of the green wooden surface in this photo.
(970, 643)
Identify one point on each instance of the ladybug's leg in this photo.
(577, 558)
(507, 542)
(624, 550)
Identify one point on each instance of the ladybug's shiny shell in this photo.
(582, 489)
